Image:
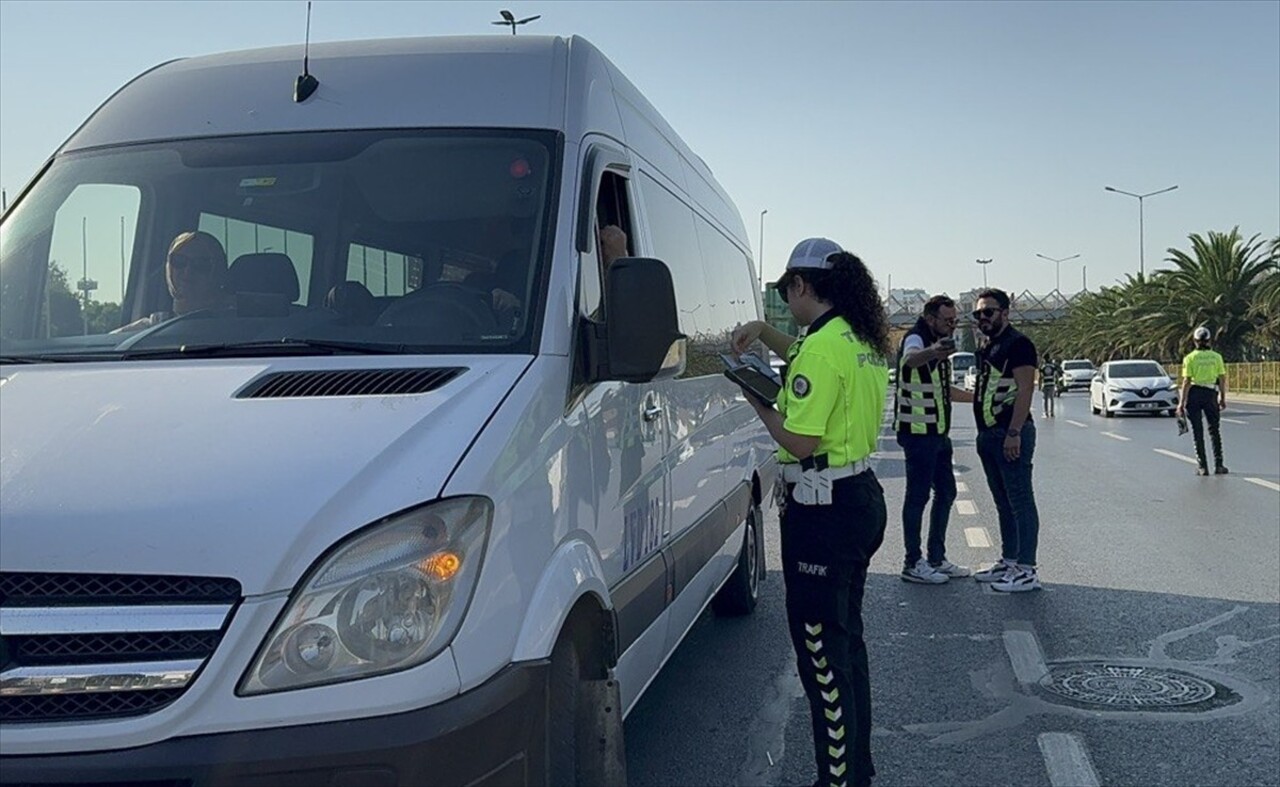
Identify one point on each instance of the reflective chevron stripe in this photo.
(834, 715)
(831, 696)
(837, 734)
(813, 647)
(814, 630)
(826, 678)
(820, 663)
(836, 753)
(838, 770)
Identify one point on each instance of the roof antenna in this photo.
(306, 84)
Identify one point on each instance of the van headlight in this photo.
(387, 599)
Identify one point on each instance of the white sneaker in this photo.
(923, 573)
(951, 569)
(996, 572)
(1019, 580)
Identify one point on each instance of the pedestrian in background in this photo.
(922, 420)
(1007, 441)
(1204, 395)
(1048, 384)
(827, 423)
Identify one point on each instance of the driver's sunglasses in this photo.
(195, 262)
(986, 313)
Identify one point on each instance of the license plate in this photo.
(1148, 405)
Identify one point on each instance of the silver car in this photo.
(1138, 386)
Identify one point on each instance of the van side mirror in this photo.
(642, 340)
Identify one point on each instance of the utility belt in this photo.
(812, 480)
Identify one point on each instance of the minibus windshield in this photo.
(327, 242)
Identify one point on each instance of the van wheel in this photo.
(562, 715)
(738, 596)
(584, 724)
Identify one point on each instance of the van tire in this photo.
(562, 714)
(739, 595)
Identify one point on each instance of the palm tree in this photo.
(1215, 288)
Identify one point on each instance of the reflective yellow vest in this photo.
(922, 398)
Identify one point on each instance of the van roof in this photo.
(493, 81)
(465, 81)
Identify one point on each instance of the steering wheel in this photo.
(449, 306)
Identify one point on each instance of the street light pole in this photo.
(984, 264)
(761, 262)
(1142, 257)
(1057, 265)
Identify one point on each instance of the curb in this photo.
(1267, 399)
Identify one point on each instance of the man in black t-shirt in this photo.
(1007, 441)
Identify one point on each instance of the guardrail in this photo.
(1263, 378)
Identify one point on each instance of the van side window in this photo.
(730, 279)
(246, 237)
(675, 242)
(612, 207)
(383, 272)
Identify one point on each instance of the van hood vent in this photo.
(353, 382)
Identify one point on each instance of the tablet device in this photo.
(755, 376)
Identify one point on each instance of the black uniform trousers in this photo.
(825, 554)
(1202, 401)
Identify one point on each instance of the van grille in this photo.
(353, 382)
(32, 589)
(92, 646)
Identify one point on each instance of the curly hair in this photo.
(852, 291)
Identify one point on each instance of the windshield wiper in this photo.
(285, 346)
(58, 358)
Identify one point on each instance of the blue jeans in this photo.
(1011, 488)
(928, 460)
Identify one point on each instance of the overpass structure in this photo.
(1024, 308)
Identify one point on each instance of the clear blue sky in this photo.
(920, 135)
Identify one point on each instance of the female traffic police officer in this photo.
(833, 516)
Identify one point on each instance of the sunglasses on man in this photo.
(986, 313)
(194, 262)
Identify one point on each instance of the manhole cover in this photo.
(1122, 687)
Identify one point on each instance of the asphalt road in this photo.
(1160, 621)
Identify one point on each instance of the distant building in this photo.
(777, 313)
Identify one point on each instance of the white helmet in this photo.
(1201, 334)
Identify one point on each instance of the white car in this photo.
(1137, 386)
(1077, 373)
(961, 362)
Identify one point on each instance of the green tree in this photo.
(1216, 288)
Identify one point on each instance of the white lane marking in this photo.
(1115, 436)
(1077, 423)
(1191, 460)
(1275, 428)
(1264, 483)
(1235, 421)
(1025, 655)
(961, 486)
(977, 537)
(1066, 760)
(966, 507)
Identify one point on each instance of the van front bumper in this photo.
(491, 735)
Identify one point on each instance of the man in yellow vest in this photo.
(922, 419)
(1204, 393)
